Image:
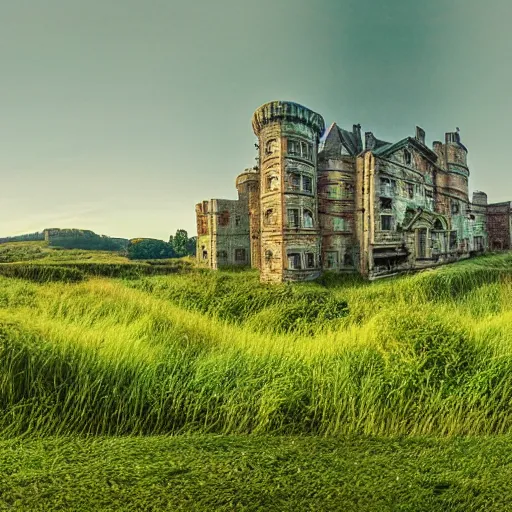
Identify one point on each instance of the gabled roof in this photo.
(335, 138)
(389, 149)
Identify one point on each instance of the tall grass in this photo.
(214, 353)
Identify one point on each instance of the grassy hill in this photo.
(423, 357)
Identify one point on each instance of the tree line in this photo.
(179, 245)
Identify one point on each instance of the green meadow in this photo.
(184, 365)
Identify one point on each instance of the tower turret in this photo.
(288, 135)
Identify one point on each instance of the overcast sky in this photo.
(119, 115)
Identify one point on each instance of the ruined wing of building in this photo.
(327, 200)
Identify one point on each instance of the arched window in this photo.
(308, 219)
(272, 183)
(269, 218)
(438, 225)
(271, 146)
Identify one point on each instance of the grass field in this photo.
(419, 359)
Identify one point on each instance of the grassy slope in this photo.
(207, 473)
(204, 353)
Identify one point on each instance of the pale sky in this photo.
(118, 116)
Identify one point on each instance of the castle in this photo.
(322, 200)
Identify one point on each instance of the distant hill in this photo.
(72, 239)
(83, 239)
(30, 237)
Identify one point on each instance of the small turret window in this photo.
(271, 147)
(269, 218)
(455, 208)
(272, 183)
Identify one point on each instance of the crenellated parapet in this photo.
(282, 111)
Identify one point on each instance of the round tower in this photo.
(457, 167)
(288, 135)
(248, 186)
(479, 198)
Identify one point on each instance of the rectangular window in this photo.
(294, 261)
(453, 240)
(332, 259)
(307, 184)
(294, 181)
(293, 147)
(410, 190)
(386, 222)
(240, 255)
(387, 187)
(339, 224)
(293, 218)
(386, 203)
(310, 260)
(222, 255)
(334, 191)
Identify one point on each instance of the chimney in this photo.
(420, 135)
(369, 140)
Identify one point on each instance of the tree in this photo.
(180, 243)
(149, 249)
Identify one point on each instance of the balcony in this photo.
(389, 237)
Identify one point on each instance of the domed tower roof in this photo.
(287, 111)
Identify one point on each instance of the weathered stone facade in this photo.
(321, 200)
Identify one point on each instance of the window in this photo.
(386, 186)
(224, 218)
(293, 147)
(272, 183)
(310, 260)
(293, 218)
(294, 261)
(407, 157)
(222, 255)
(455, 207)
(300, 148)
(386, 203)
(271, 146)
(204, 252)
(453, 240)
(429, 197)
(294, 181)
(386, 222)
(269, 219)
(438, 225)
(307, 184)
(339, 224)
(333, 191)
(238, 220)
(410, 190)
(268, 255)
(479, 243)
(332, 259)
(239, 255)
(308, 219)
(348, 260)
(300, 182)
